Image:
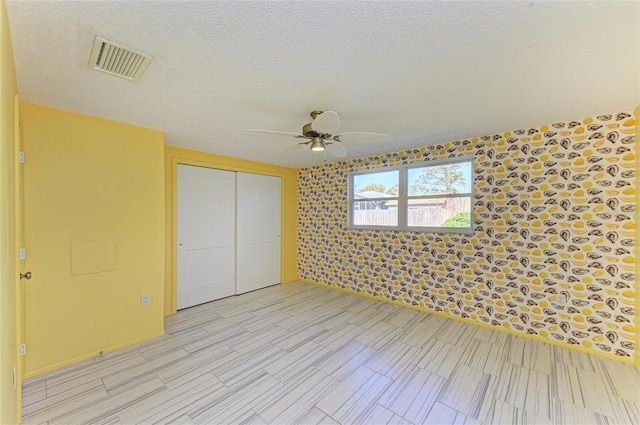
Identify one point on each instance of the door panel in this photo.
(206, 235)
(259, 224)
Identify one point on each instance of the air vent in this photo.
(117, 60)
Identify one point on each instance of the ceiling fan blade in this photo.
(336, 150)
(293, 146)
(362, 137)
(327, 122)
(272, 133)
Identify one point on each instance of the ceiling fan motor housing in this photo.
(308, 131)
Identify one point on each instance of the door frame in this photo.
(171, 192)
(19, 266)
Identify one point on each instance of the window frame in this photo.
(351, 198)
(404, 197)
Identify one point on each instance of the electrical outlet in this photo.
(561, 300)
(146, 298)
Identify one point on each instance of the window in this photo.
(372, 196)
(436, 196)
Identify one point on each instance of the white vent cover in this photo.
(117, 60)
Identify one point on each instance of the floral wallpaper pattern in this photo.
(553, 218)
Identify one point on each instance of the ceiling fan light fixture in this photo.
(317, 145)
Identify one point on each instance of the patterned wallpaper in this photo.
(553, 214)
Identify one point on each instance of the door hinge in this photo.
(23, 253)
(23, 349)
(21, 157)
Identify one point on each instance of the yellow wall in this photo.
(553, 214)
(8, 260)
(289, 176)
(88, 179)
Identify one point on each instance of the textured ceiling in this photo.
(423, 72)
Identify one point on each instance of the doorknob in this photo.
(27, 275)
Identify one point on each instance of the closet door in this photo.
(259, 204)
(206, 220)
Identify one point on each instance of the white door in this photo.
(258, 231)
(206, 235)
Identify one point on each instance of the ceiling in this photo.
(423, 72)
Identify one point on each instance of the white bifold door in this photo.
(206, 235)
(228, 233)
(258, 232)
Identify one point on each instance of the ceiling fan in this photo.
(320, 135)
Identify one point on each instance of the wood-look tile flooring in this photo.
(304, 354)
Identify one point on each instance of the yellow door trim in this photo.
(19, 230)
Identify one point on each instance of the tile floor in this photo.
(304, 354)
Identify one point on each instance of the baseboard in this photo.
(88, 356)
(537, 338)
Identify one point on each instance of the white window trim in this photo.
(403, 197)
(350, 224)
